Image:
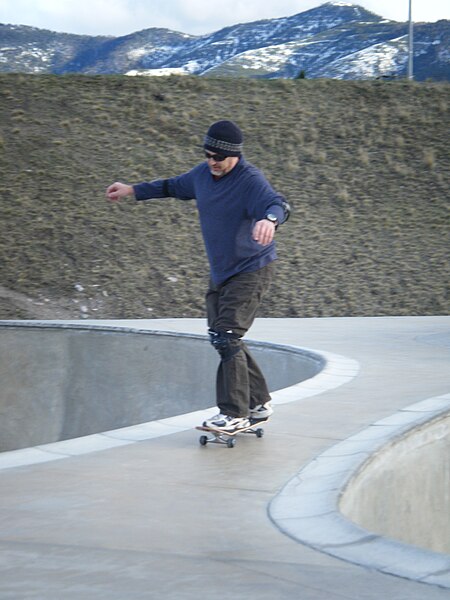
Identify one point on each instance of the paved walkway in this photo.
(166, 518)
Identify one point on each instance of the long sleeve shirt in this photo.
(228, 208)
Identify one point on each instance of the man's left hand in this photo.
(263, 232)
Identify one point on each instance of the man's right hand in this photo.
(118, 190)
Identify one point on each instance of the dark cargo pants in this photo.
(231, 309)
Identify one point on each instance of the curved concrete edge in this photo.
(307, 508)
(336, 370)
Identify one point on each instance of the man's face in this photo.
(220, 165)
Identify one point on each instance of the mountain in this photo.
(336, 40)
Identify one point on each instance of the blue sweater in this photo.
(228, 209)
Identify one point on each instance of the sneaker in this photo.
(226, 423)
(261, 411)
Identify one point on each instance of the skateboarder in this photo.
(239, 213)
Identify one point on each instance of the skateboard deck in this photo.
(229, 437)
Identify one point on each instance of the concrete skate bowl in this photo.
(379, 498)
(403, 491)
(60, 382)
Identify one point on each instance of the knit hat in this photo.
(224, 137)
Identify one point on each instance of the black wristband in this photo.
(165, 188)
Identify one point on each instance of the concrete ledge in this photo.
(308, 507)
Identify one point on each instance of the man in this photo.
(239, 213)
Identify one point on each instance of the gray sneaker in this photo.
(226, 423)
(261, 411)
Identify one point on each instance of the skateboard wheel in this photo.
(203, 440)
(259, 432)
(231, 443)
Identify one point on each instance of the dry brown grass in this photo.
(365, 164)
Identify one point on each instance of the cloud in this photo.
(119, 17)
(91, 17)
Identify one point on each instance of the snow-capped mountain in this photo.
(336, 40)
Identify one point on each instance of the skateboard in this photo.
(229, 438)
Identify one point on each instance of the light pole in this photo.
(410, 44)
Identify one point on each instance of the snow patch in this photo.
(375, 61)
(157, 72)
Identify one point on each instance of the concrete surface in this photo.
(351, 496)
(404, 490)
(166, 518)
(66, 381)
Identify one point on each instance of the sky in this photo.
(120, 17)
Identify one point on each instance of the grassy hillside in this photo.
(365, 164)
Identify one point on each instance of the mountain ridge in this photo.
(338, 32)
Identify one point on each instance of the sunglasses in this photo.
(215, 157)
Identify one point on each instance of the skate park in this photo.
(106, 492)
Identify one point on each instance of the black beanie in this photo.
(224, 137)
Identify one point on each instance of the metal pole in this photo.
(410, 44)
